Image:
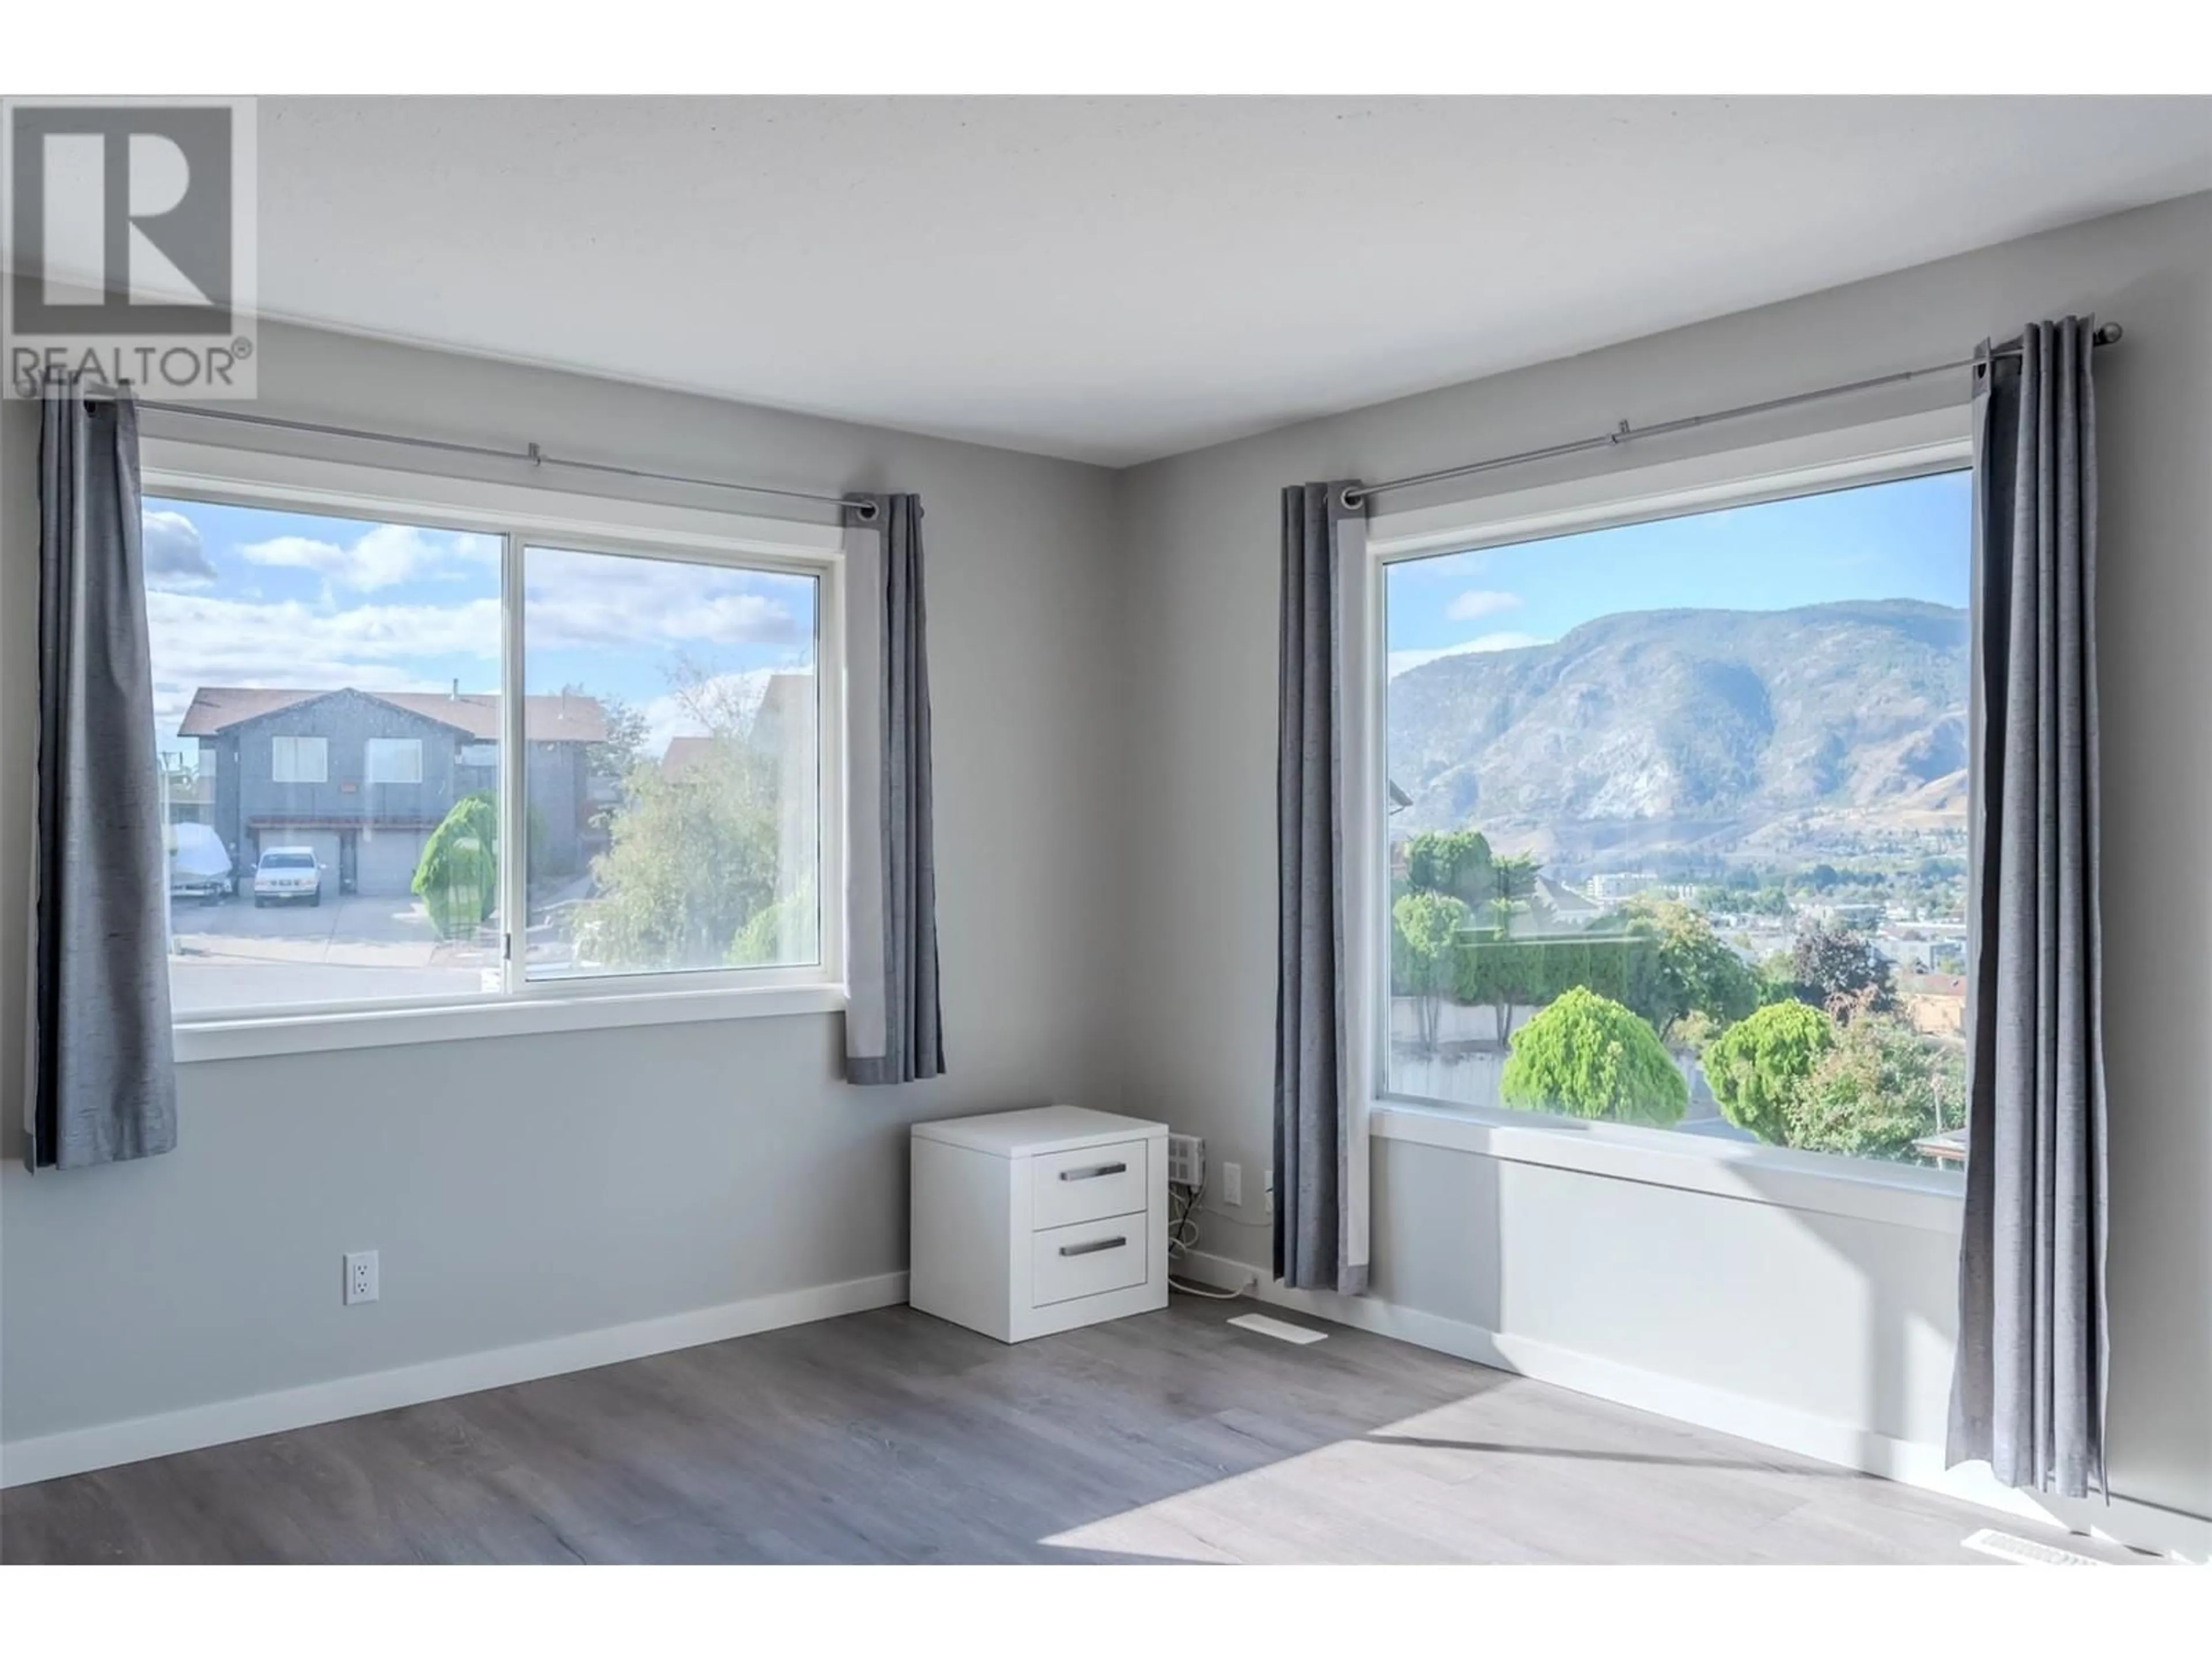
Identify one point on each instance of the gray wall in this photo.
(526, 1187)
(1105, 702)
(1839, 1319)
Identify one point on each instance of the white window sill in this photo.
(1901, 1194)
(312, 1031)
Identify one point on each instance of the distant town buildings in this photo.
(1613, 885)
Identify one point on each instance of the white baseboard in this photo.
(2137, 1525)
(76, 1450)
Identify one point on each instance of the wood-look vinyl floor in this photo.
(892, 1437)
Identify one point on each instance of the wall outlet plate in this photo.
(360, 1276)
(1232, 1185)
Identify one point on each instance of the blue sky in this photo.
(1902, 540)
(241, 595)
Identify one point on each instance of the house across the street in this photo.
(363, 777)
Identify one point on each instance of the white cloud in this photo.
(1402, 660)
(587, 600)
(1479, 602)
(175, 558)
(574, 600)
(201, 641)
(384, 557)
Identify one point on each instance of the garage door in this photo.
(387, 858)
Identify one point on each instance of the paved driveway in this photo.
(232, 956)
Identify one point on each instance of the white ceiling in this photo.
(1117, 279)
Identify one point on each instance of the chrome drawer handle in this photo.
(1093, 1246)
(1093, 1172)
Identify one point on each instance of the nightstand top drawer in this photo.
(1038, 1129)
(1089, 1183)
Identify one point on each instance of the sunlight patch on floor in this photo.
(1438, 1486)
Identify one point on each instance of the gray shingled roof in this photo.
(563, 718)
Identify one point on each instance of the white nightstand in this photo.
(1028, 1223)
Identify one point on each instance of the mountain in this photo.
(1707, 732)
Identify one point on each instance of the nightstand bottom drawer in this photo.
(1088, 1258)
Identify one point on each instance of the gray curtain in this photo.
(2029, 1387)
(102, 1082)
(894, 1030)
(1319, 1205)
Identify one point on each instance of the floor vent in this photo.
(2025, 1552)
(1281, 1330)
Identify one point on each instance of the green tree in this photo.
(1455, 861)
(1769, 901)
(1881, 1087)
(457, 878)
(1832, 962)
(1698, 973)
(623, 748)
(691, 860)
(1513, 878)
(1425, 929)
(785, 932)
(1693, 1033)
(1759, 1068)
(1777, 978)
(1588, 1056)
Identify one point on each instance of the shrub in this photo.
(457, 878)
(1758, 1067)
(1588, 1056)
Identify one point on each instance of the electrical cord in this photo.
(1183, 1239)
(1182, 1220)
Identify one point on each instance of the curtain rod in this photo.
(862, 507)
(1357, 496)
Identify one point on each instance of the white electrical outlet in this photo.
(1232, 1185)
(360, 1276)
(1267, 1181)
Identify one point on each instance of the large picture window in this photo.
(1676, 822)
(384, 736)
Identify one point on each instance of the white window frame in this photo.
(525, 516)
(291, 743)
(372, 747)
(1881, 452)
